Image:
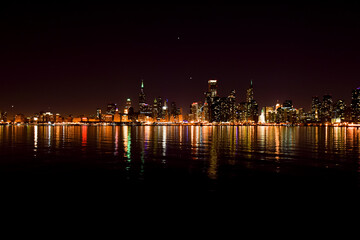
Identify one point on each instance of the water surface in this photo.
(185, 158)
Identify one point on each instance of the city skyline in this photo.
(77, 57)
(241, 97)
(214, 109)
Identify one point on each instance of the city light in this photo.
(212, 110)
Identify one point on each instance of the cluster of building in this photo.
(325, 111)
(216, 109)
(158, 112)
(212, 110)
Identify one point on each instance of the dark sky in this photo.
(74, 58)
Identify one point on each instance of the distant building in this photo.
(111, 108)
(339, 110)
(157, 109)
(288, 104)
(315, 109)
(231, 106)
(3, 116)
(326, 108)
(355, 105)
(195, 112)
(212, 88)
(20, 118)
(269, 114)
(241, 112)
(174, 111)
(127, 106)
(250, 93)
(252, 110)
(142, 99)
(98, 113)
(117, 117)
(107, 117)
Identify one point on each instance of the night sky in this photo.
(73, 58)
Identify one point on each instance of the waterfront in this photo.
(187, 159)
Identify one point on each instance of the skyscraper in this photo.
(250, 93)
(326, 108)
(127, 106)
(212, 84)
(251, 105)
(339, 110)
(355, 105)
(157, 108)
(232, 106)
(315, 109)
(142, 98)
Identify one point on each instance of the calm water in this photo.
(185, 158)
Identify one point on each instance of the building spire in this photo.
(251, 84)
(142, 83)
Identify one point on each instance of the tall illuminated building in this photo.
(339, 110)
(157, 108)
(355, 105)
(165, 110)
(174, 111)
(250, 93)
(326, 108)
(142, 98)
(212, 88)
(252, 111)
(127, 106)
(315, 109)
(195, 111)
(231, 106)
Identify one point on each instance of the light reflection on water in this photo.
(194, 148)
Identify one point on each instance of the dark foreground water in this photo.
(181, 160)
